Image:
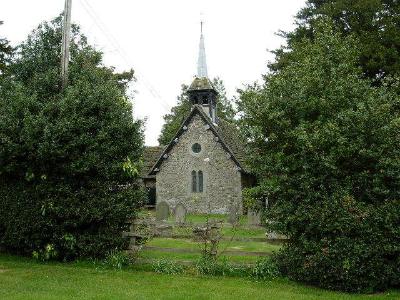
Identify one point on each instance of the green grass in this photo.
(191, 245)
(22, 278)
(239, 232)
(193, 257)
(224, 245)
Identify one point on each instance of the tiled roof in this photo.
(201, 83)
(150, 157)
(234, 140)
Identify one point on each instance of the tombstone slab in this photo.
(162, 211)
(180, 213)
(253, 217)
(233, 217)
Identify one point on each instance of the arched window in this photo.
(194, 182)
(197, 182)
(200, 175)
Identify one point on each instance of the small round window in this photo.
(196, 148)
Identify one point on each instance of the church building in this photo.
(203, 166)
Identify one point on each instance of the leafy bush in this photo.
(45, 254)
(357, 250)
(326, 153)
(118, 259)
(168, 267)
(265, 269)
(68, 158)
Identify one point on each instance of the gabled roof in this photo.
(234, 140)
(150, 157)
(227, 135)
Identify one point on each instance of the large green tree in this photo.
(326, 152)
(5, 52)
(174, 119)
(376, 23)
(68, 158)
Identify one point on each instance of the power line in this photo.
(113, 41)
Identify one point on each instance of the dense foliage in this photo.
(326, 151)
(376, 23)
(180, 112)
(5, 53)
(68, 159)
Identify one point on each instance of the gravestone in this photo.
(253, 217)
(162, 211)
(233, 217)
(180, 214)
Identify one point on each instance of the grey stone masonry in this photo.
(221, 189)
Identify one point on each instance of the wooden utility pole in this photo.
(66, 36)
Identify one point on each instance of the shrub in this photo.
(326, 152)
(45, 254)
(118, 259)
(265, 269)
(167, 267)
(358, 251)
(68, 158)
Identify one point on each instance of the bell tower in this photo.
(201, 92)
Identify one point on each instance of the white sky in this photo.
(159, 40)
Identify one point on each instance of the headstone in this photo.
(233, 217)
(180, 214)
(162, 211)
(253, 217)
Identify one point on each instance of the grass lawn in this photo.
(193, 257)
(224, 245)
(22, 278)
(240, 232)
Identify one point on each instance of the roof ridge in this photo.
(196, 108)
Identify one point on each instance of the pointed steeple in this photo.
(201, 62)
(201, 91)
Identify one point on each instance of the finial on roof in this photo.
(201, 62)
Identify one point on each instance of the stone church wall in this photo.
(222, 180)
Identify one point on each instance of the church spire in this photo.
(201, 62)
(201, 91)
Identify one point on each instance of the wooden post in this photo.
(66, 36)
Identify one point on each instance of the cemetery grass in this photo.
(154, 255)
(227, 231)
(223, 245)
(23, 278)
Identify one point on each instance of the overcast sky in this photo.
(159, 40)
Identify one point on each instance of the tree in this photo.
(5, 52)
(68, 159)
(326, 153)
(376, 23)
(174, 119)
